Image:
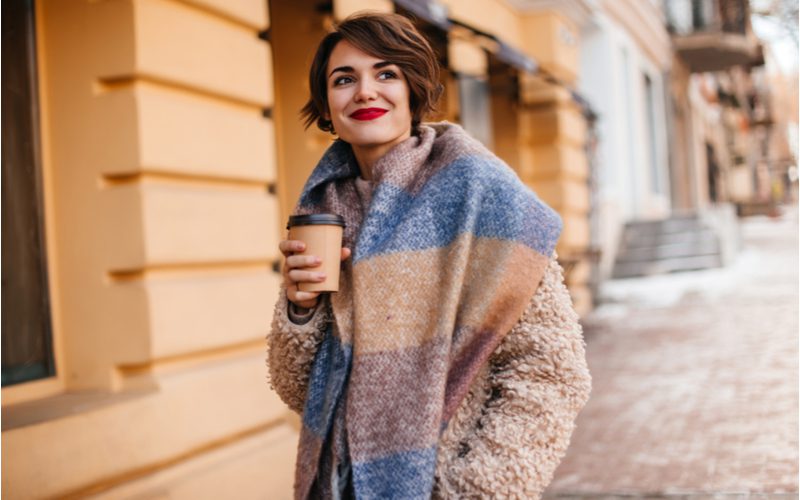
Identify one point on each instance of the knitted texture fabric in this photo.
(449, 253)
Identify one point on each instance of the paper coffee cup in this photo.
(322, 234)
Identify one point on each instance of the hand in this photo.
(299, 269)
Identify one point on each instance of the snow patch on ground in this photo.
(618, 297)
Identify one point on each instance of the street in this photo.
(695, 380)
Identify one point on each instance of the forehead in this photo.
(347, 54)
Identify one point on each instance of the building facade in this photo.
(625, 60)
(671, 82)
(716, 54)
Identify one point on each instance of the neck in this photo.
(366, 157)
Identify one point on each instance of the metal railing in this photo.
(685, 17)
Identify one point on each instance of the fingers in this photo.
(302, 299)
(291, 278)
(294, 261)
(301, 269)
(294, 272)
(288, 247)
(298, 276)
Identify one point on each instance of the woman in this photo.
(450, 363)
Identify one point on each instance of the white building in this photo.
(625, 56)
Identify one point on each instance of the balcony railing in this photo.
(713, 35)
(686, 17)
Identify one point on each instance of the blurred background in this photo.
(152, 151)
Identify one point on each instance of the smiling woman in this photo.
(450, 362)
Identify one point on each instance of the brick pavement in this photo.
(695, 381)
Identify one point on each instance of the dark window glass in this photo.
(26, 335)
(699, 20)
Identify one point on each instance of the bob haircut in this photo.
(390, 37)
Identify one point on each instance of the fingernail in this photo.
(321, 276)
(317, 260)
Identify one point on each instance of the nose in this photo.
(365, 91)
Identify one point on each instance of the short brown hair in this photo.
(391, 37)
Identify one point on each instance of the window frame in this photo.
(53, 383)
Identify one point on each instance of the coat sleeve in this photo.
(538, 383)
(291, 349)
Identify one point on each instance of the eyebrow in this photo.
(346, 69)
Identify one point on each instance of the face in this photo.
(368, 99)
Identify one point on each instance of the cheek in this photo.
(333, 104)
(407, 111)
(407, 100)
(336, 103)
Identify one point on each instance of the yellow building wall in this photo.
(162, 234)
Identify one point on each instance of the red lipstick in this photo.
(368, 113)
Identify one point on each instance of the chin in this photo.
(366, 138)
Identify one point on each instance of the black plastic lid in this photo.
(315, 219)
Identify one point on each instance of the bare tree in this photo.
(783, 14)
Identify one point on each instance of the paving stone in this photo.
(695, 381)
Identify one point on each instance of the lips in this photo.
(368, 113)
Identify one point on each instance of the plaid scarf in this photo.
(449, 253)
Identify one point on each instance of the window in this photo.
(26, 335)
(650, 108)
(474, 110)
(631, 173)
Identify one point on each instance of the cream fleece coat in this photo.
(513, 428)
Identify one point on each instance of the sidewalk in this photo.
(695, 380)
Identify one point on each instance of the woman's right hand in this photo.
(298, 269)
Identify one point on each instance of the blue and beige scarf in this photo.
(445, 259)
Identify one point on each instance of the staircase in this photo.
(680, 243)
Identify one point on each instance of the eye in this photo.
(385, 75)
(342, 80)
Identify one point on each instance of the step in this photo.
(668, 251)
(673, 225)
(693, 263)
(632, 239)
